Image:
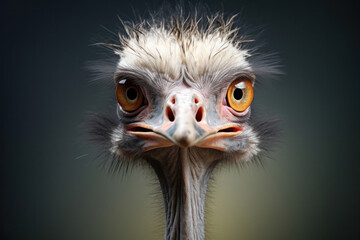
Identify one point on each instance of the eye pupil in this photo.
(131, 93)
(238, 94)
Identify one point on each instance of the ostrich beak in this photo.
(184, 124)
(185, 111)
(184, 121)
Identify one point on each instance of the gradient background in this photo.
(52, 187)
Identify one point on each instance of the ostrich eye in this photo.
(240, 95)
(129, 95)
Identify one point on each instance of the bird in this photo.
(184, 84)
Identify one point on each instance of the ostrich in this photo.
(183, 86)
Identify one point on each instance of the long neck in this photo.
(183, 180)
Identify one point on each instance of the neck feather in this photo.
(183, 178)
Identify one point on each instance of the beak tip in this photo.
(184, 141)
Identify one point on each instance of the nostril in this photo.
(196, 100)
(173, 100)
(199, 114)
(170, 114)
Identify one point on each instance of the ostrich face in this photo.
(181, 92)
(184, 95)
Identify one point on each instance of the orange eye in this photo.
(129, 95)
(240, 95)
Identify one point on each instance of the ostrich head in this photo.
(184, 87)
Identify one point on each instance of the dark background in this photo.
(52, 188)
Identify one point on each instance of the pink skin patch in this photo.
(227, 112)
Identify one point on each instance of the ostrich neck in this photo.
(183, 180)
